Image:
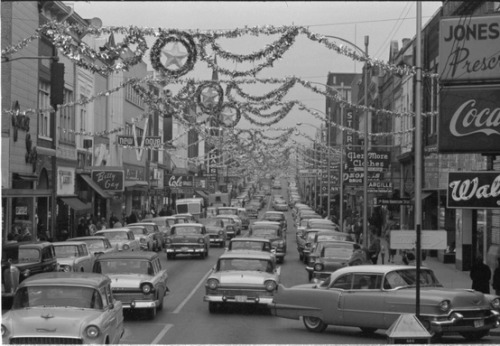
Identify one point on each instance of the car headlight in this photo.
(146, 288)
(495, 303)
(221, 233)
(318, 267)
(212, 284)
(92, 332)
(444, 305)
(270, 285)
(169, 241)
(201, 240)
(26, 272)
(125, 247)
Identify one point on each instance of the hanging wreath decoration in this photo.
(210, 87)
(175, 36)
(230, 115)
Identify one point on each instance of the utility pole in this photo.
(365, 154)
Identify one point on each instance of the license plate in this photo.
(184, 249)
(240, 298)
(478, 323)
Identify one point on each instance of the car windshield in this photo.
(123, 266)
(228, 212)
(185, 230)
(324, 237)
(245, 264)
(265, 232)
(337, 251)
(273, 217)
(57, 296)
(28, 255)
(405, 278)
(66, 251)
(95, 244)
(138, 231)
(115, 235)
(248, 245)
(213, 222)
(310, 236)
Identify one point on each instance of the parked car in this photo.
(188, 239)
(245, 277)
(252, 210)
(272, 231)
(230, 224)
(331, 255)
(322, 224)
(146, 238)
(73, 256)
(137, 279)
(277, 216)
(97, 245)
(245, 219)
(123, 239)
(24, 259)
(154, 229)
(64, 308)
(216, 230)
(373, 297)
(164, 223)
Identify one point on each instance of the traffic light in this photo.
(56, 83)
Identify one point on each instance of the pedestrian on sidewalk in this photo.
(496, 278)
(374, 250)
(480, 274)
(382, 253)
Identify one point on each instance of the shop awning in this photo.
(94, 186)
(75, 203)
(201, 193)
(136, 184)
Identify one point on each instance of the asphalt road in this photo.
(185, 318)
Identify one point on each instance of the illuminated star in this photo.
(175, 56)
(209, 96)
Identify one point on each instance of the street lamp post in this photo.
(365, 154)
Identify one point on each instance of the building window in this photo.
(66, 119)
(133, 96)
(129, 131)
(44, 109)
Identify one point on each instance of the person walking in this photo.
(382, 253)
(480, 274)
(358, 229)
(374, 250)
(496, 278)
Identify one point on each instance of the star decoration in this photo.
(227, 114)
(175, 56)
(209, 96)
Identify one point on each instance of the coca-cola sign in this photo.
(474, 190)
(469, 119)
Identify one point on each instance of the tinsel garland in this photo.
(62, 39)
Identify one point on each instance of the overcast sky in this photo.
(382, 21)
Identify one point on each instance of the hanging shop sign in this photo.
(473, 190)
(378, 161)
(468, 48)
(109, 180)
(469, 119)
(179, 181)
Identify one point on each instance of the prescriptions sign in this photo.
(468, 48)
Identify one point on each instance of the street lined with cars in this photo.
(229, 289)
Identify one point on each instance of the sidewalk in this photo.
(446, 273)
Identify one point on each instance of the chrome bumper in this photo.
(140, 304)
(237, 299)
